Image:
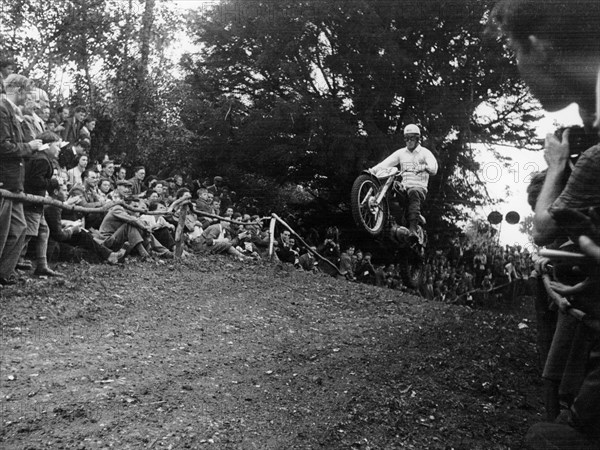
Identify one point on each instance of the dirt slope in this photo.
(211, 353)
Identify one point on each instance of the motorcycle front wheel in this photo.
(369, 216)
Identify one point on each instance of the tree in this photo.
(314, 91)
(108, 55)
(526, 227)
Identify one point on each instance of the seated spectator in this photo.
(307, 261)
(160, 228)
(91, 198)
(429, 293)
(69, 241)
(120, 226)
(346, 268)
(160, 187)
(260, 238)
(108, 172)
(74, 175)
(138, 188)
(69, 158)
(121, 174)
(214, 241)
(216, 206)
(392, 277)
(216, 187)
(202, 205)
(366, 272)
(330, 249)
(283, 251)
(104, 189)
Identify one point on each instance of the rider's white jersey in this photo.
(416, 166)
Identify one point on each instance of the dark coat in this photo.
(12, 149)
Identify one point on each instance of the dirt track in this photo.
(218, 354)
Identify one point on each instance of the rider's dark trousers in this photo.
(416, 196)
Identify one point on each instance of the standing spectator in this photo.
(12, 151)
(73, 125)
(549, 40)
(38, 173)
(85, 133)
(62, 114)
(7, 67)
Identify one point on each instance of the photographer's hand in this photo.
(556, 152)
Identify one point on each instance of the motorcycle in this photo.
(379, 205)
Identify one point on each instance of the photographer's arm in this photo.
(589, 248)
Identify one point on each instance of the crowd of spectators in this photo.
(466, 273)
(122, 210)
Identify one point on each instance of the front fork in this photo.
(382, 193)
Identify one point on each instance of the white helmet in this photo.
(412, 129)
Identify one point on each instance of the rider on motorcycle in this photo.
(415, 163)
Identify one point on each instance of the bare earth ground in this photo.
(211, 353)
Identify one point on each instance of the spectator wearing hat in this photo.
(122, 191)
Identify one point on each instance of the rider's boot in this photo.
(413, 226)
